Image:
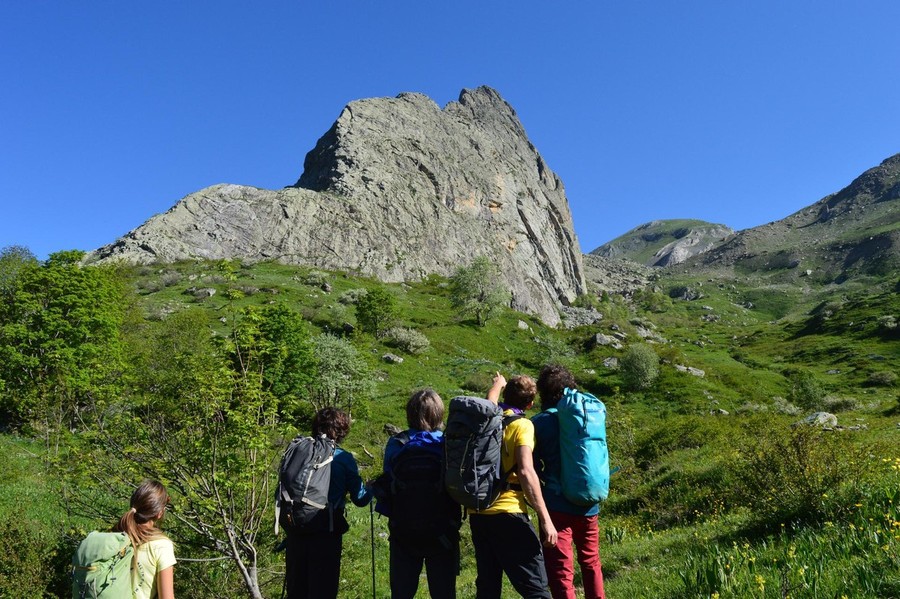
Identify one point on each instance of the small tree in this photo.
(806, 390)
(477, 290)
(342, 376)
(639, 367)
(376, 311)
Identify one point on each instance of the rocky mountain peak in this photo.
(397, 188)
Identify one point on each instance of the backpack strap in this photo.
(504, 476)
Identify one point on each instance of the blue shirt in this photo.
(345, 480)
(548, 464)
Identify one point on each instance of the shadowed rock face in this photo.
(397, 188)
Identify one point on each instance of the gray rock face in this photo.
(665, 242)
(397, 188)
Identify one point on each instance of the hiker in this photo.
(504, 539)
(574, 523)
(313, 554)
(153, 561)
(423, 521)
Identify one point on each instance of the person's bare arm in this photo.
(531, 486)
(165, 583)
(495, 390)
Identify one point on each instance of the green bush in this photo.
(408, 340)
(376, 311)
(35, 562)
(797, 473)
(639, 367)
(882, 379)
(806, 390)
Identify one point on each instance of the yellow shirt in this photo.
(152, 558)
(519, 432)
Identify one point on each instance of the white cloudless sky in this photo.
(738, 113)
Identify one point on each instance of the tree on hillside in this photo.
(639, 367)
(477, 290)
(376, 311)
(204, 420)
(343, 378)
(60, 350)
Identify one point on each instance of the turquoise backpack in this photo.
(101, 567)
(582, 446)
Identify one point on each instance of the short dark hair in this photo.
(425, 410)
(551, 383)
(331, 422)
(520, 391)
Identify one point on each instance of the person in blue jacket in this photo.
(313, 559)
(575, 524)
(425, 526)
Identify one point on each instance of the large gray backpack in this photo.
(473, 439)
(301, 500)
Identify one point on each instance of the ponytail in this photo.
(148, 501)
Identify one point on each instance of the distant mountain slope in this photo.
(855, 231)
(398, 188)
(665, 242)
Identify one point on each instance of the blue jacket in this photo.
(345, 480)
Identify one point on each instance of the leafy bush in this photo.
(34, 562)
(806, 390)
(376, 311)
(478, 290)
(797, 473)
(351, 296)
(314, 278)
(882, 379)
(408, 340)
(639, 367)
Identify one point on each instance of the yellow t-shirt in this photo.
(152, 558)
(519, 432)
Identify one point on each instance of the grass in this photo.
(676, 516)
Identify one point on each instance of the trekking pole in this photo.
(372, 536)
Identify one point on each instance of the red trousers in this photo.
(559, 561)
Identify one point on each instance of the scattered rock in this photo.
(718, 412)
(392, 359)
(391, 429)
(326, 287)
(822, 419)
(690, 370)
(603, 340)
(523, 326)
(612, 363)
(578, 317)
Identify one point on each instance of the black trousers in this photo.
(313, 565)
(507, 543)
(441, 563)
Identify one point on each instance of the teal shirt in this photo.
(346, 481)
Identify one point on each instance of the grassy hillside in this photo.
(718, 496)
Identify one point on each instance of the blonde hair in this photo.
(148, 501)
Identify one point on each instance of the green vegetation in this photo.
(198, 373)
(477, 290)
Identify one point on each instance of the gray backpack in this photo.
(301, 500)
(473, 439)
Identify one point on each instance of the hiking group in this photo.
(488, 464)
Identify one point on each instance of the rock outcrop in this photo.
(398, 188)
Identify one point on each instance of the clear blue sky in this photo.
(733, 112)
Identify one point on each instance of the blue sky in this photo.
(733, 112)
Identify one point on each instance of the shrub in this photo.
(376, 311)
(408, 340)
(784, 406)
(478, 290)
(806, 390)
(314, 278)
(882, 379)
(796, 473)
(352, 296)
(639, 367)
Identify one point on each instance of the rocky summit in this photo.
(398, 188)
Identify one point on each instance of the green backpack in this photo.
(101, 567)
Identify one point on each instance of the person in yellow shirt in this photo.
(152, 566)
(504, 539)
